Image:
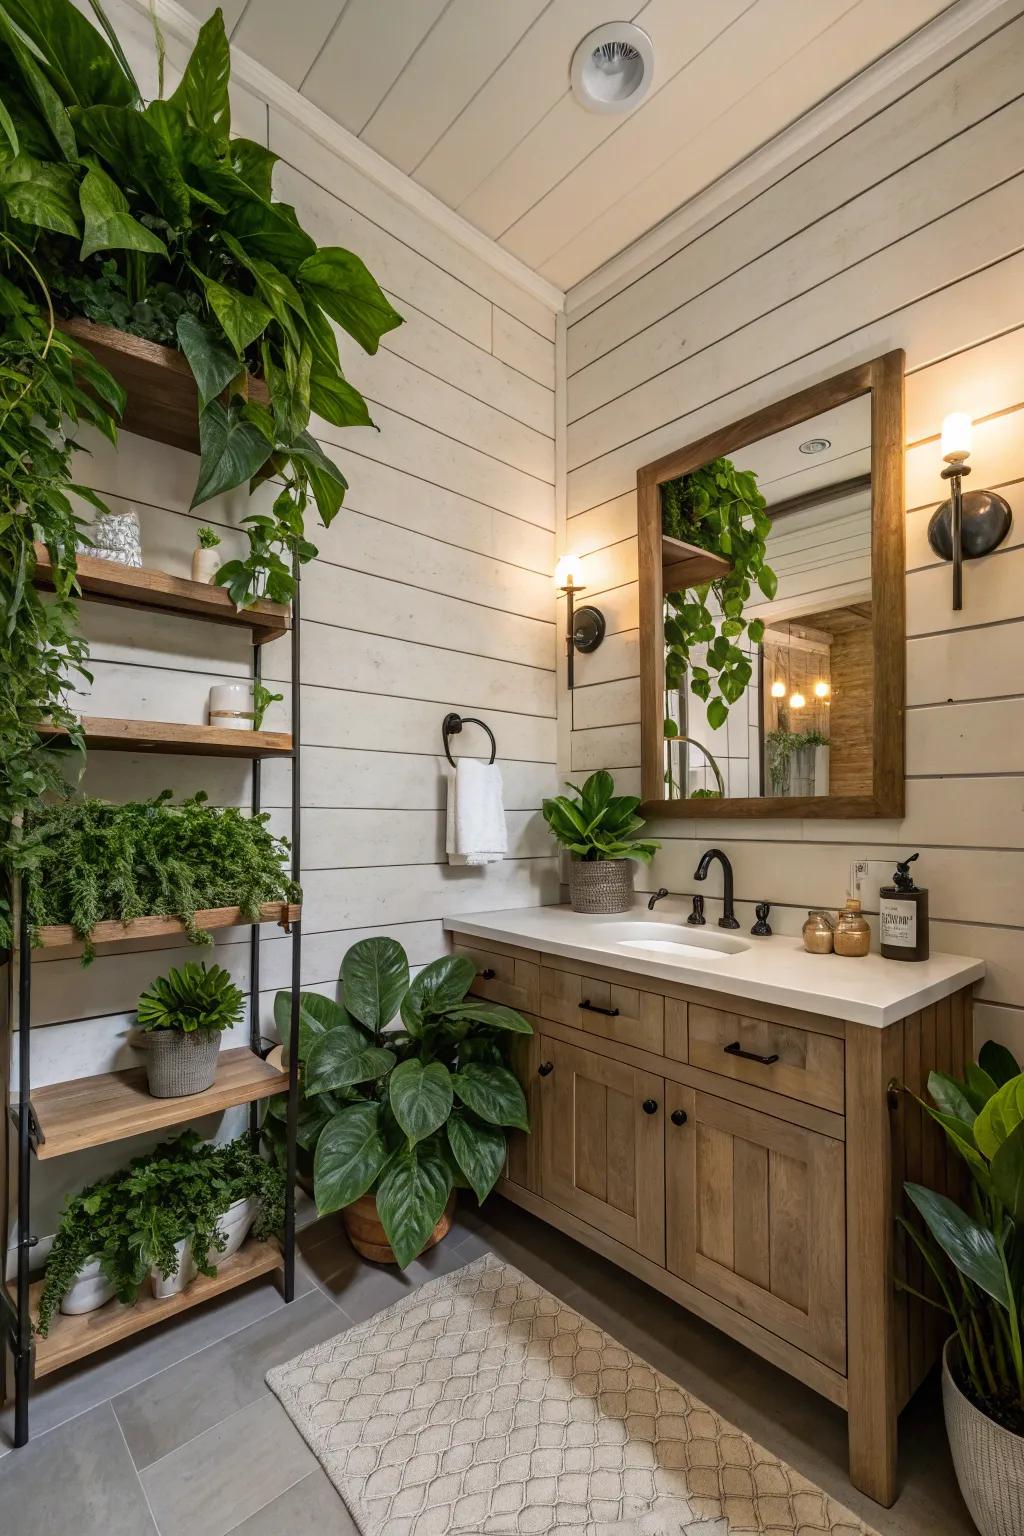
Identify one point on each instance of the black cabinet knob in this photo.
(650, 1106)
(545, 1067)
(486, 975)
(678, 1117)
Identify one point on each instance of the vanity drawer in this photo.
(502, 976)
(604, 1008)
(807, 1065)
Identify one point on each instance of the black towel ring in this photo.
(452, 724)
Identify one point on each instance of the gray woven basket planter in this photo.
(989, 1460)
(601, 885)
(179, 1064)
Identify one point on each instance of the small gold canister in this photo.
(818, 933)
(852, 935)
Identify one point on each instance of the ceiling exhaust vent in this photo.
(611, 68)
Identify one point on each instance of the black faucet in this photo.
(728, 917)
(659, 893)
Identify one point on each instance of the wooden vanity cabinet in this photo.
(744, 1159)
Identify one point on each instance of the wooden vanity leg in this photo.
(873, 1058)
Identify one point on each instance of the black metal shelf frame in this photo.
(15, 1316)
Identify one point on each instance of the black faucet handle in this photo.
(696, 918)
(762, 928)
(659, 893)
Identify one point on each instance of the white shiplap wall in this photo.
(432, 592)
(905, 232)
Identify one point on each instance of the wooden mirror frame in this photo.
(882, 378)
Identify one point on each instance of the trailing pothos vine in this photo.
(719, 508)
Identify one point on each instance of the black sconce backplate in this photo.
(588, 628)
(987, 520)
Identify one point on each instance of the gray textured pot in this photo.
(603, 885)
(989, 1459)
(179, 1064)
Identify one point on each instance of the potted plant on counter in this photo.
(977, 1260)
(596, 828)
(396, 1118)
(184, 1014)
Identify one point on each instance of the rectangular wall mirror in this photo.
(772, 609)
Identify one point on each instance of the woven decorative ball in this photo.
(116, 537)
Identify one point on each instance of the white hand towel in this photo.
(476, 832)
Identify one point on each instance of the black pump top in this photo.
(903, 880)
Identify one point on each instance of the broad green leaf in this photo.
(314, 1113)
(597, 793)
(10, 130)
(768, 582)
(1007, 1171)
(317, 1014)
(272, 231)
(231, 450)
(1000, 1116)
(950, 1097)
(439, 985)
(203, 92)
(480, 1152)
(344, 288)
(254, 164)
(341, 1058)
(998, 1062)
(276, 290)
(495, 1014)
(718, 713)
(421, 1097)
(493, 1093)
(213, 364)
(326, 480)
(81, 65)
(241, 317)
(374, 979)
(47, 100)
(108, 224)
(961, 1135)
(42, 193)
(289, 389)
(337, 401)
(411, 1196)
(115, 46)
(137, 155)
(349, 1155)
(980, 1087)
(970, 1247)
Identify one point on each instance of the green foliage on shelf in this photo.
(262, 698)
(208, 538)
(132, 1220)
(408, 1113)
(598, 824)
(719, 508)
(88, 861)
(191, 997)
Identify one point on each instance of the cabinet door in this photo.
(603, 1144)
(756, 1216)
(522, 1166)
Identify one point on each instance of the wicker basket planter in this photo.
(367, 1235)
(989, 1460)
(601, 885)
(179, 1064)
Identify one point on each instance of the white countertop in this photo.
(868, 990)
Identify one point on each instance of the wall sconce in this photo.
(778, 689)
(969, 525)
(584, 627)
(797, 701)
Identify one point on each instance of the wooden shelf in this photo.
(92, 1111)
(103, 581)
(687, 565)
(63, 936)
(72, 1338)
(162, 400)
(169, 736)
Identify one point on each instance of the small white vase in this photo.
(231, 706)
(90, 1289)
(233, 1226)
(205, 564)
(182, 1276)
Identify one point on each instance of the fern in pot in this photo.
(596, 828)
(184, 1014)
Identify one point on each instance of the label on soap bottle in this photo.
(898, 923)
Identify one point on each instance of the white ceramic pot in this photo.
(180, 1279)
(89, 1290)
(989, 1460)
(234, 1225)
(231, 706)
(206, 563)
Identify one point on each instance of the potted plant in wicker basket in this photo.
(596, 828)
(977, 1261)
(185, 1013)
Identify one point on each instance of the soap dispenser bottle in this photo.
(903, 916)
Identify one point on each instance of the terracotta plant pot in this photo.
(989, 1460)
(368, 1237)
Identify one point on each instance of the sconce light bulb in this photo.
(797, 701)
(956, 437)
(569, 572)
(778, 690)
(821, 690)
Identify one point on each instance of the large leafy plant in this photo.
(404, 1113)
(598, 824)
(151, 217)
(190, 997)
(719, 508)
(977, 1256)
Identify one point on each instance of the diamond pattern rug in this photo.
(483, 1404)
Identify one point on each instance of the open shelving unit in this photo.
(68, 1117)
(687, 565)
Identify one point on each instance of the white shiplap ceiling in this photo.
(471, 99)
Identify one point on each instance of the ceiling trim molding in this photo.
(182, 25)
(794, 143)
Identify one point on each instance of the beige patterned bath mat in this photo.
(483, 1404)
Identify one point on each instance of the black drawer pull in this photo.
(544, 1068)
(650, 1106)
(609, 1013)
(487, 975)
(735, 1050)
(679, 1117)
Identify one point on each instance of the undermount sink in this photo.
(672, 942)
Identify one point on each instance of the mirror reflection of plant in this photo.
(598, 824)
(719, 508)
(405, 1114)
(780, 745)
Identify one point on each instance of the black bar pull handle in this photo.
(735, 1050)
(545, 1068)
(488, 974)
(609, 1013)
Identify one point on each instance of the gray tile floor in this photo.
(177, 1434)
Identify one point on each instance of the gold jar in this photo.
(818, 934)
(852, 934)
